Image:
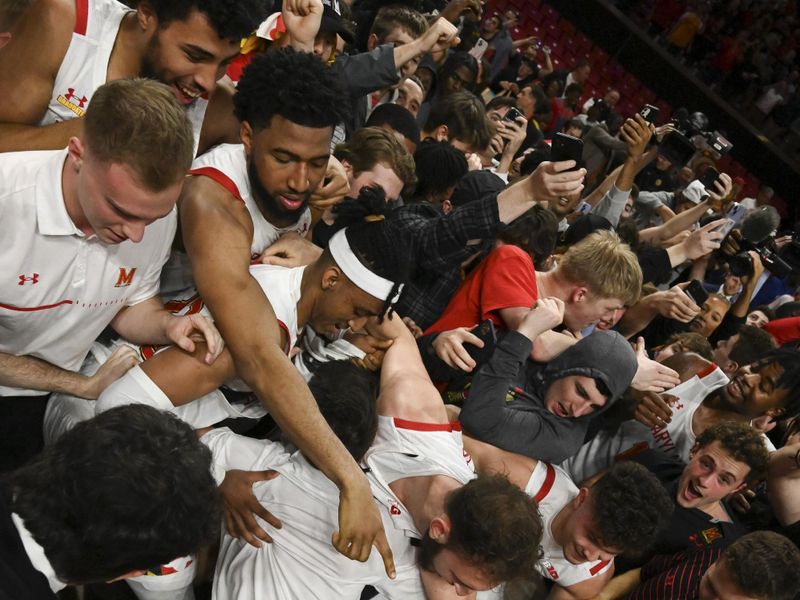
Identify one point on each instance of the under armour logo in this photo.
(678, 406)
(71, 94)
(33, 279)
(394, 510)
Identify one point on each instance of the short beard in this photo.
(428, 550)
(271, 207)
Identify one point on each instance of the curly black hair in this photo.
(764, 564)
(232, 19)
(295, 85)
(752, 344)
(630, 508)
(743, 443)
(494, 525)
(126, 490)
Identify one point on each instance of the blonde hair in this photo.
(139, 123)
(605, 265)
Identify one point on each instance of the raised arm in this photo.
(246, 320)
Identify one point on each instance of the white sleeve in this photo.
(135, 387)
(232, 451)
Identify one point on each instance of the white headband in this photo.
(361, 276)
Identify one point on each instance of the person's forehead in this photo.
(196, 29)
(306, 142)
(398, 36)
(724, 460)
(412, 88)
(716, 304)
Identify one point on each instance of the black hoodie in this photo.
(505, 406)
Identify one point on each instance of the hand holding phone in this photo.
(566, 147)
(697, 292)
(649, 113)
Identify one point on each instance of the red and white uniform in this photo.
(301, 563)
(552, 489)
(85, 65)
(676, 439)
(227, 165)
(59, 288)
(404, 449)
(282, 287)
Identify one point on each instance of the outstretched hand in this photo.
(241, 506)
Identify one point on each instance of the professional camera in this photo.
(696, 125)
(741, 264)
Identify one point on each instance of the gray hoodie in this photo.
(505, 406)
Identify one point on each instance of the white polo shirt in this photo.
(59, 288)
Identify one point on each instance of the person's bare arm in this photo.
(549, 180)
(31, 373)
(621, 585)
(28, 67)
(674, 226)
(184, 376)
(247, 322)
(783, 484)
(441, 35)
(406, 388)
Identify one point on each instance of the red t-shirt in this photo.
(784, 330)
(505, 279)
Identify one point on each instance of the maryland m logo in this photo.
(125, 277)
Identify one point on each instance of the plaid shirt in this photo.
(441, 243)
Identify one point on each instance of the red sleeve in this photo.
(784, 330)
(509, 282)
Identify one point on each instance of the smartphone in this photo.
(478, 49)
(710, 175)
(734, 215)
(488, 335)
(513, 114)
(649, 113)
(697, 292)
(566, 147)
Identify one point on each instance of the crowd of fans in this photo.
(746, 50)
(324, 300)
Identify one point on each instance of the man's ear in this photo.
(583, 495)
(439, 529)
(246, 135)
(579, 294)
(372, 42)
(440, 133)
(76, 151)
(127, 575)
(146, 17)
(348, 168)
(694, 450)
(331, 278)
(730, 368)
(447, 206)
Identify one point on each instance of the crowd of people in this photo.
(333, 300)
(747, 50)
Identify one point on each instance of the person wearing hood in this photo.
(544, 411)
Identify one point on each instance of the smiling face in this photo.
(754, 391)
(187, 55)
(711, 475)
(573, 396)
(286, 162)
(111, 202)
